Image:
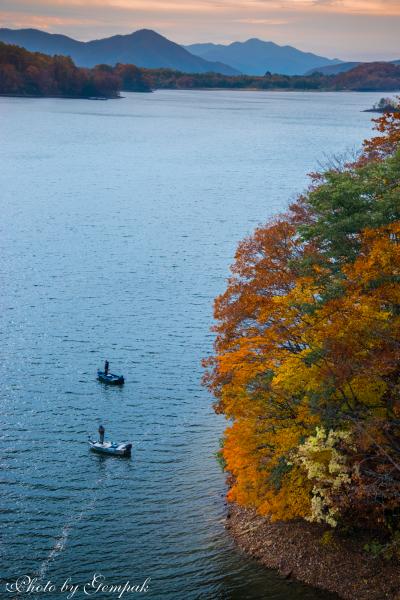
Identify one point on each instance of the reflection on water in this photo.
(118, 223)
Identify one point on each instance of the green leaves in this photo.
(349, 201)
(279, 471)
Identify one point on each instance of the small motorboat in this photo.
(111, 448)
(110, 378)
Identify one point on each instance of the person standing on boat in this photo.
(106, 366)
(101, 434)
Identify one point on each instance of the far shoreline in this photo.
(254, 89)
(59, 97)
(198, 89)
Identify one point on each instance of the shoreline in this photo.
(35, 97)
(256, 89)
(193, 89)
(297, 550)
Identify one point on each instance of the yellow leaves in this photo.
(336, 350)
(295, 377)
(291, 501)
(304, 344)
(369, 390)
(327, 468)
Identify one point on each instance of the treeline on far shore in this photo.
(34, 74)
(24, 73)
(365, 77)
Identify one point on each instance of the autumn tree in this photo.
(132, 78)
(308, 347)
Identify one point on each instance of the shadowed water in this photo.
(118, 223)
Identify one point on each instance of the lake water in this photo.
(119, 221)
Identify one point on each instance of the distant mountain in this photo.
(144, 48)
(25, 73)
(343, 67)
(255, 57)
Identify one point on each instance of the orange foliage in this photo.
(308, 338)
(386, 144)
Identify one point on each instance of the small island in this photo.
(385, 105)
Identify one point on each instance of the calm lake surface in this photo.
(119, 221)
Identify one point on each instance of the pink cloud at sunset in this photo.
(349, 29)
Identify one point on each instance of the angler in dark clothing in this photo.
(101, 434)
(106, 366)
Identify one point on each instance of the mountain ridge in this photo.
(144, 48)
(148, 49)
(344, 67)
(256, 57)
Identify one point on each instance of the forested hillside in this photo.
(34, 74)
(368, 77)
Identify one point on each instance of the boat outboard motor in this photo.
(128, 448)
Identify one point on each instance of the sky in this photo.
(346, 29)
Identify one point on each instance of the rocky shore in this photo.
(308, 553)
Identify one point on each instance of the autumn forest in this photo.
(24, 73)
(306, 364)
(34, 74)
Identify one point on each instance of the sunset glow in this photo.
(353, 29)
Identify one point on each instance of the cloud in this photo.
(362, 7)
(348, 28)
(382, 7)
(256, 21)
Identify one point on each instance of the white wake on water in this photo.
(61, 542)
